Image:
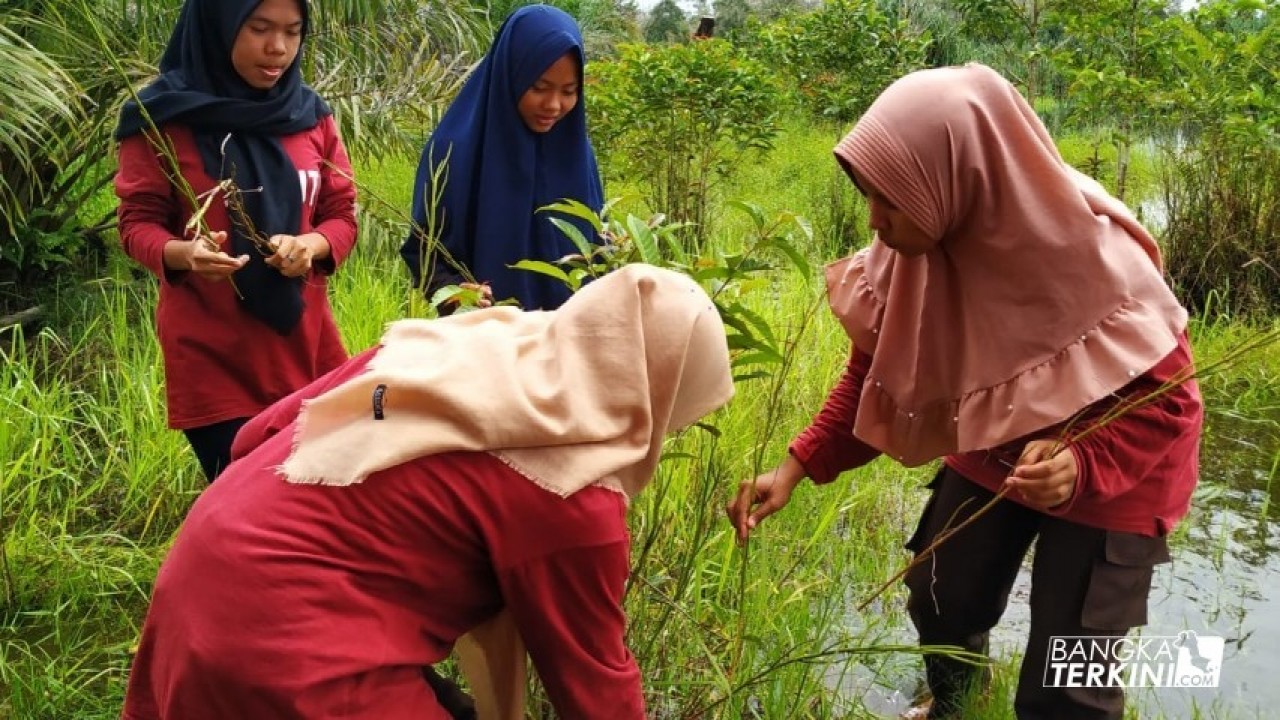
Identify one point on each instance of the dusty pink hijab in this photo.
(1043, 295)
(573, 397)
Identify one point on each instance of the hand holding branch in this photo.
(486, 293)
(202, 255)
(1045, 475)
(767, 493)
(294, 254)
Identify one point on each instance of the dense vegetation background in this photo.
(1175, 110)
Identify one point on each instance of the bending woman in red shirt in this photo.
(467, 467)
(239, 327)
(1006, 302)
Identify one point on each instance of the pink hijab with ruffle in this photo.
(1043, 296)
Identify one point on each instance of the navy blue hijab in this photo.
(499, 171)
(198, 87)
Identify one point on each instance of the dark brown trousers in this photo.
(1084, 582)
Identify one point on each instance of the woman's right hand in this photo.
(197, 257)
(486, 293)
(768, 493)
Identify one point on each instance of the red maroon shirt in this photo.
(221, 363)
(303, 601)
(1135, 474)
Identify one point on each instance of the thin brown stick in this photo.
(240, 216)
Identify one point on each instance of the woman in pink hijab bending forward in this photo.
(469, 473)
(1006, 305)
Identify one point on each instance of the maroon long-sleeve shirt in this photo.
(219, 362)
(303, 601)
(1135, 474)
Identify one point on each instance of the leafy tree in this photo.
(1018, 34)
(1116, 56)
(604, 23)
(1221, 179)
(667, 24)
(731, 16)
(937, 20)
(840, 56)
(607, 23)
(498, 10)
(677, 118)
(997, 20)
(769, 10)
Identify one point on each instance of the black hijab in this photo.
(198, 87)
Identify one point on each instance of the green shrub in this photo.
(840, 56)
(1221, 181)
(678, 118)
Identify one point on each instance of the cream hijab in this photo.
(569, 398)
(1043, 296)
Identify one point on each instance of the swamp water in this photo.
(1224, 581)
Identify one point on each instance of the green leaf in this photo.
(642, 237)
(758, 357)
(745, 341)
(797, 258)
(546, 268)
(751, 209)
(575, 209)
(674, 246)
(445, 294)
(710, 429)
(574, 234)
(712, 272)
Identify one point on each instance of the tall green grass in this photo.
(93, 485)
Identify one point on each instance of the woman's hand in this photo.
(486, 293)
(769, 493)
(1044, 478)
(197, 257)
(295, 253)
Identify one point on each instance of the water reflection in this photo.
(1225, 575)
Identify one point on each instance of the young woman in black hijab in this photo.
(240, 323)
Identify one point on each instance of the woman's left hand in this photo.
(295, 253)
(1044, 478)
